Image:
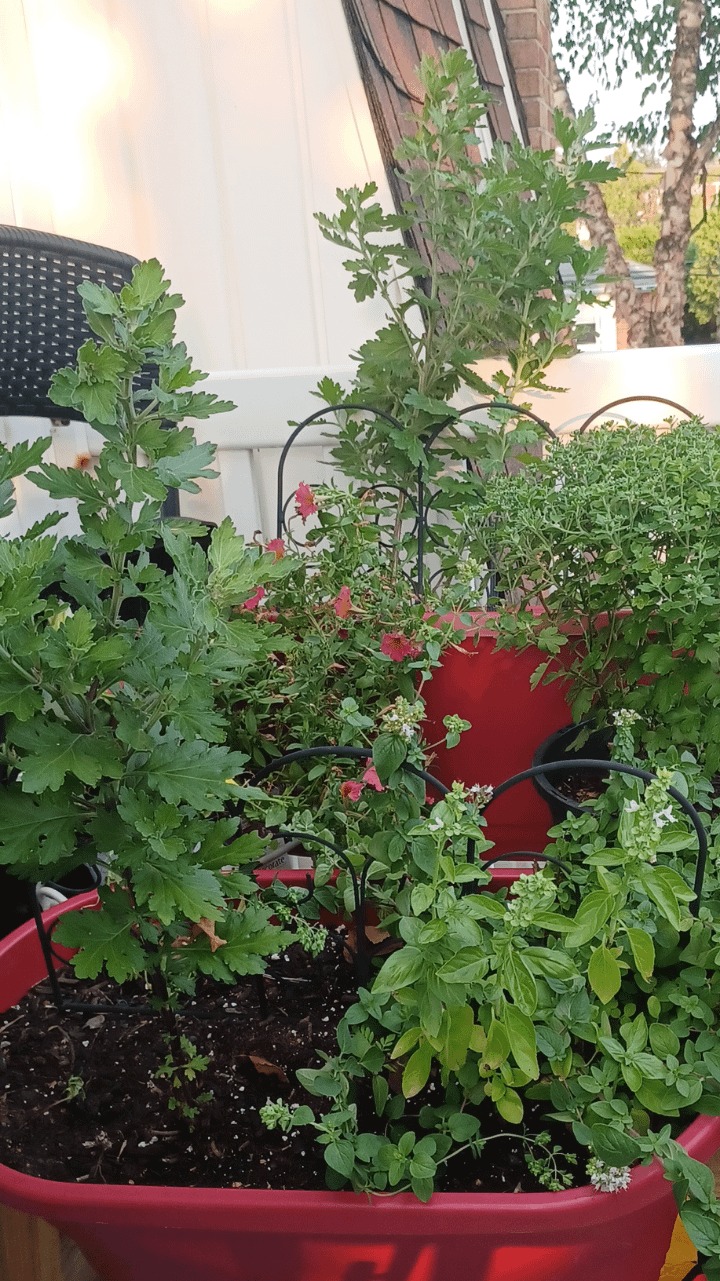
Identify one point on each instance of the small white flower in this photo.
(625, 717)
(631, 807)
(608, 1178)
(663, 817)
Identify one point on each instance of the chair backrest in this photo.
(42, 323)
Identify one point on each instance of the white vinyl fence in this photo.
(250, 438)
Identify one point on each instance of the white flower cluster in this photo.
(625, 717)
(480, 793)
(608, 1178)
(402, 718)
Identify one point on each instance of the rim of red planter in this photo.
(343, 1213)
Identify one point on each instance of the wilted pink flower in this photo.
(397, 646)
(342, 604)
(350, 790)
(253, 601)
(305, 504)
(371, 778)
(277, 546)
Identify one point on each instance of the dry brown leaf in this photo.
(265, 1068)
(207, 927)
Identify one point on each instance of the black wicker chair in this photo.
(42, 322)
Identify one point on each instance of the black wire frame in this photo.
(614, 767)
(421, 503)
(364, 950)
(627, 400)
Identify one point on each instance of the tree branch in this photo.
(707, 145)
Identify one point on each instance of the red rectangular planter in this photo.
(181, 1234)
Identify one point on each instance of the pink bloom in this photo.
(397, 646)
(350, 790)
(277, 546)
(252, 602)
(305, 504)
(371, 778)
(342, 603)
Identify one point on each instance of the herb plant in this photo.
(614, 535)
(590, 990)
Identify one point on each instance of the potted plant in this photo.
(584, 1001)
(611, 539)
(581, 1006)
(479, 292)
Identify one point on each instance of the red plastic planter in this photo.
(176, 1234)
(491, 688)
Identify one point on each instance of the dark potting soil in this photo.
(80, 1099)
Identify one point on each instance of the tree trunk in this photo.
(631, 306)
(681, 156)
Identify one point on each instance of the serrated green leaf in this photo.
(178, 890)
(53, 752)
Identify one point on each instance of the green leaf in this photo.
(37, 831)
(604, 974)
(104, 939)
(406, 1042)
(590, 917)
(194, 773)
(458, 1035)
(703, 1228)
(519, 982)
(389, 752)
(523, 1042)
(417, 1071)
(399, 970)
(497, 1046)
(178, 890)
(668, 891)
(663, 1040)
(54, 751)
(510, 1107)
(613, 1146)
(643, 951)
(550, 962)
(340, 1156)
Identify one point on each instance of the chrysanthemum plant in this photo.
(113, 742)
(494, 232)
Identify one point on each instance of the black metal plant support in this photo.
(610, 767)
(422, 501)
(363, 949)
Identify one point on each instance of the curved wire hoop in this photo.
(421, 503)
(618, 767)
(363, 950)
(626, 400)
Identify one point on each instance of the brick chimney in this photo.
(527, 28)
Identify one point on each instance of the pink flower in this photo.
(397, 646)
(350, 790)
(277, 546)
(342, 604)
(252, 602)
(371, 778)
(305, 504)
